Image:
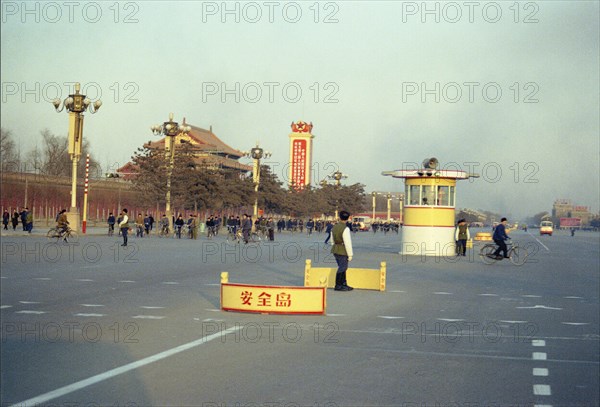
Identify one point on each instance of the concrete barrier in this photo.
(272, 299)
(361, 278)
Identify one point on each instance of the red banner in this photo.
(299, 163)
(570, 222)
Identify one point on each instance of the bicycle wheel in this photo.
(71, 236)
(254, 237)
(487, 254)
(52, 235)
(518, 256)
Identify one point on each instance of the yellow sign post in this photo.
(361, 278)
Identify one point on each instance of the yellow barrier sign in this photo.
(269, 299)
(361, 278)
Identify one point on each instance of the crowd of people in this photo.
(25, 217)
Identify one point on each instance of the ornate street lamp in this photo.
(171, 130)
(256, 154)
(76, 104)
(337, 177)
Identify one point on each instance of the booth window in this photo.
(414, 195)
(443, 196)
(428, 196)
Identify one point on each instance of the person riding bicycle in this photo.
(164, 225)
(111, 223)
(62, 224)
(499, 238)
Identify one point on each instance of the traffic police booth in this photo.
(429, 208)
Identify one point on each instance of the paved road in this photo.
(97, 324)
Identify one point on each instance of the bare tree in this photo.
(8, 155)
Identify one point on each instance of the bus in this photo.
(546, 227)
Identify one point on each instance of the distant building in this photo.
(565, 209)
(209, 152)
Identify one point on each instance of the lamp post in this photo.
(374, 195)
(337, 176)
(170, 130)
(76, 104)
(256, 154)
(389, 207)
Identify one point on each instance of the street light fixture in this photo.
(171, 130)
(76, 104)
(256, 154)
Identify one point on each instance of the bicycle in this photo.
(164, 231)
(56, 234)
(111, 229)
(211, 232)
(238, 236)
(517, 255)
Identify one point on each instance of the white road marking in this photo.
(5, 306)
(574, 297)
(91, 305)
(540, 371)
(538, 342)
(449, 320)
(89, 315)
(542, 405)
(30, 302)
(531, 296)
(514, 322)
(147, 317)
(150, 307)
(488, 295)
(126, 281)
(336, 315)
(209, 320)
(538, 240)
(85, 280)
(213, 284)
(170, 282)
(30, 312)
(540, 307)
(397, 291)
(442, 293)
(42, 278)
(542, 390)
(3, 277)
(43, 398)
(539, 356)
(389, 317)
(575, 323)
(212, 310)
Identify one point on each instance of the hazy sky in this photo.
(509, 90)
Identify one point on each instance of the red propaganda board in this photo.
(570, 222)
(299, 163)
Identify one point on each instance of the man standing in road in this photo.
(499, 238)
(342, 251)
(246, 227)
(124, 226)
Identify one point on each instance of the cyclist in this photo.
(62, 224)
(164, 225)
(499, 238)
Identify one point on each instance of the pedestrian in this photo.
(139, 226)
(147, 224)
(461, 235)
(111, 224)
(271, 229)
(15, 220)
(24, 219)
(193, 227)
(246, 227)
(342, 251)
(5, 219)
(29, 220)
(151, 221)
(328, 228)
(124, 226)
(309, 226)
(179, 225)
(572, 232)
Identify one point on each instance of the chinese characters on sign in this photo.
(264, 299)
(299, 163)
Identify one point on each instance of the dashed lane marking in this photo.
(89, 315)
(442, 293)
(538, 342)
(539, 356)
(488, 295)
(389, 317)
(540, 371)
(44, 398)
(126, 281)
(542, 390)
(450, 320)
(540, 307)
(85, 280)
(531, 296)
(573, 297)
(147, 317)
(575, 323)
(26, 311)
(42, 278)
(91, 305)
(170, 282)
(150, 307)
(30, 302)
(5, 306)
(514, 322)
